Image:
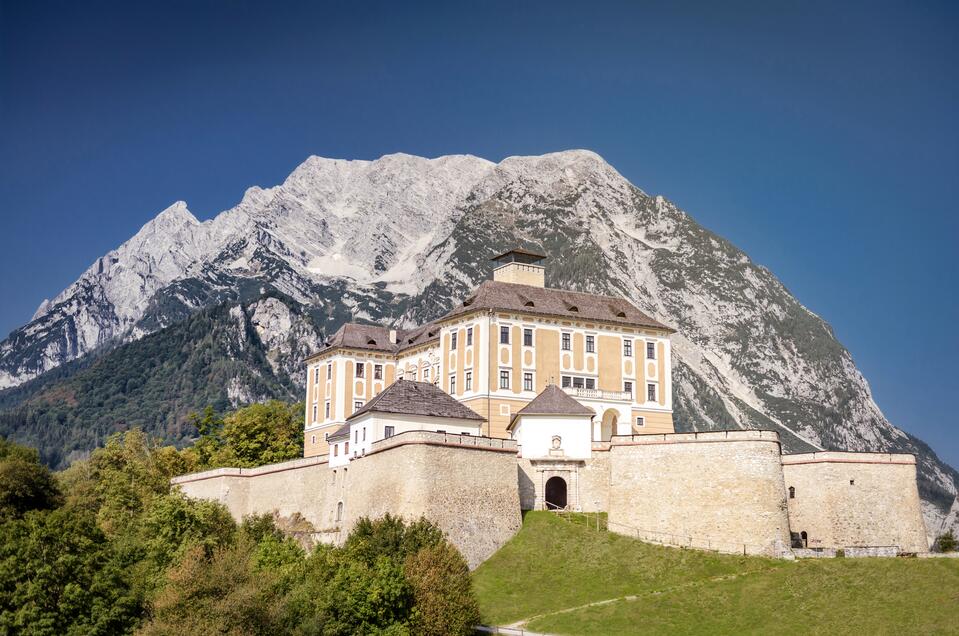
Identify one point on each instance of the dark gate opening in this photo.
(555, 493)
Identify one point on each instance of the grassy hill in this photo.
(549, 574)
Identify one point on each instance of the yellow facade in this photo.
(603, 365)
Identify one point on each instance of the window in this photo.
(469, 337)
(527, 337)
(628, 348)
(640, 422)
(590, 344)
(453, 341)
(628, 388)
(650, 392)
(527, 381)
(346, 447)
(504, 379)
(792, 492)
(357, 406)
(316, 374)
(329, 371)
(426, 374)
(378, 372)
(388, 431)
(356, 437)
(566, 345)
(315, 409)
(339, 511)
(326, 436)
(469, 381)
(504, 335)
(578, 382)
(650, 350)
(312, 439)
(452, 385)
(360, 368)
(327, 411)
(336, 450)
(364, 433)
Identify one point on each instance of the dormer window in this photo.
(469, 301)
(529, 303)
(620, 314)
(371, 342)
(572, 308)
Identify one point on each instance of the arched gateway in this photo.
(555, 493)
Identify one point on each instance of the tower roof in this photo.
(518, 255)
(405, 397)
(553, 401)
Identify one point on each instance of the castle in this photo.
(526, 397)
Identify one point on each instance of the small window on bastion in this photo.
(792, 492)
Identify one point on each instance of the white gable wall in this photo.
(534, 434)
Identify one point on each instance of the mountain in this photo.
(224, 356)
(401, 239)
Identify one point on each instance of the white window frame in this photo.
(650, 350)
(468, 381)
(504, 373)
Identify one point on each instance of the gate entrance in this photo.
(555, 493)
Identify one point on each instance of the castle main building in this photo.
(525, 397)
(497, 351)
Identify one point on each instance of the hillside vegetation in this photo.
(548, 574)
(109, 547)
(151, 384)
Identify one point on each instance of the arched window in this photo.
(792, 492)
(339, 511)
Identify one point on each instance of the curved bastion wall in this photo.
(720, 491)
(855, 500)
(466, 485)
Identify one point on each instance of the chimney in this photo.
(392, 336)
(520, 267)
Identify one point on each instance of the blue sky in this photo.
(821, 139)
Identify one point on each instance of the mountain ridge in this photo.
(401, 239)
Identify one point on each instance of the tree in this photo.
(25, 484)
(59, 575)
(261, 434)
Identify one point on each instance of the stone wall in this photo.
(845, 500)
(719, 491)
(466, 485)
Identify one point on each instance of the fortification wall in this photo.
(718, 491)
(466, 485)
(594, 482)
(845, 500)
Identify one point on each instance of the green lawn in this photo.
(553, 565)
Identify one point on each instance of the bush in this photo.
(443, 597)
(217, 593)
(946, 542)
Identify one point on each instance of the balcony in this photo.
(598, 394)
